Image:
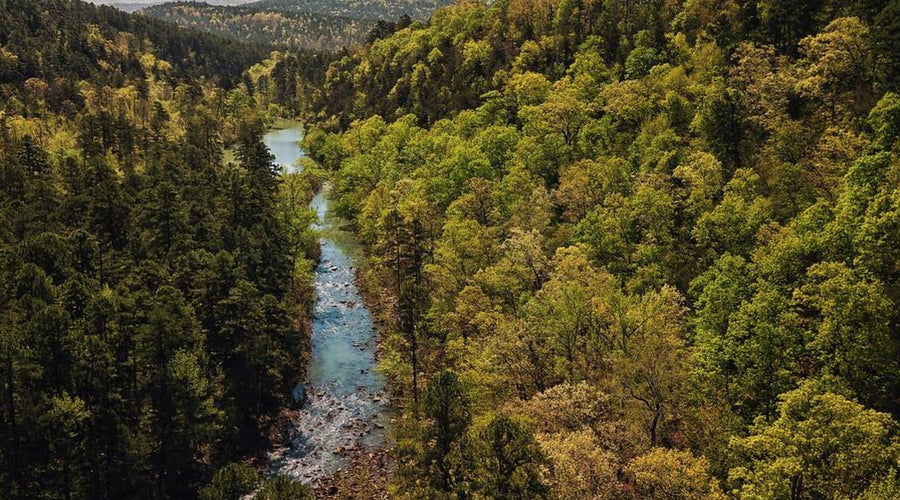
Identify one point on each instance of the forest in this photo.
(631, 249)
(153, 297)
(617, 249)
(372, 10)
(320, 26)
(320, 32)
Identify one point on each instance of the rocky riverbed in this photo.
(338, 426)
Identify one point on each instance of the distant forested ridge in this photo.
(631, 249)
(322, 26)
(292, 29)
(55, 37)
(372, 10)
(153, 297)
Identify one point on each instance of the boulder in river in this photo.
(299, 395)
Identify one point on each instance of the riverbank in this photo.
(366, 478)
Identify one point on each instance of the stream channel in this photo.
(343, 407)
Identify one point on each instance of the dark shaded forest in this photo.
(48, 38)
(153, 296)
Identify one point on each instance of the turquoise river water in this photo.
(343, 408)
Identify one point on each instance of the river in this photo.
(343, 409)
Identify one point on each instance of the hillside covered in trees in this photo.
(619, 249)
(291, 29)
(153, 297)
(62, 39)
(631, 249)
(372, 10)
(325, 26)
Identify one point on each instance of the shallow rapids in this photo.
(343, 401)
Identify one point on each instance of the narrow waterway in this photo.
(343, 407)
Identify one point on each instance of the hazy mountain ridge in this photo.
(134, 6)
(248, 24)
(358, 9)
(326, 25)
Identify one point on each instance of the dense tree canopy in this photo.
(621, 249)
(153, 296)
(653, 241)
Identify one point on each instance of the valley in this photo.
(518, 249)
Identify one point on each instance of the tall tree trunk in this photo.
(415, 370)
(654, 424)
(9, 424)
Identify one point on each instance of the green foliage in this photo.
(507, 458)
(150, 291)
(284, 488)
(256, 25)
(672, 474)
(77, 40)
(889, 487)
(618, 234)
(821, 445)
(885, 121)
(640, 61)
(447, 406)
(682, 209)
(358, 9)
(231, 482)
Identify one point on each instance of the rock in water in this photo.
(299, 395)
